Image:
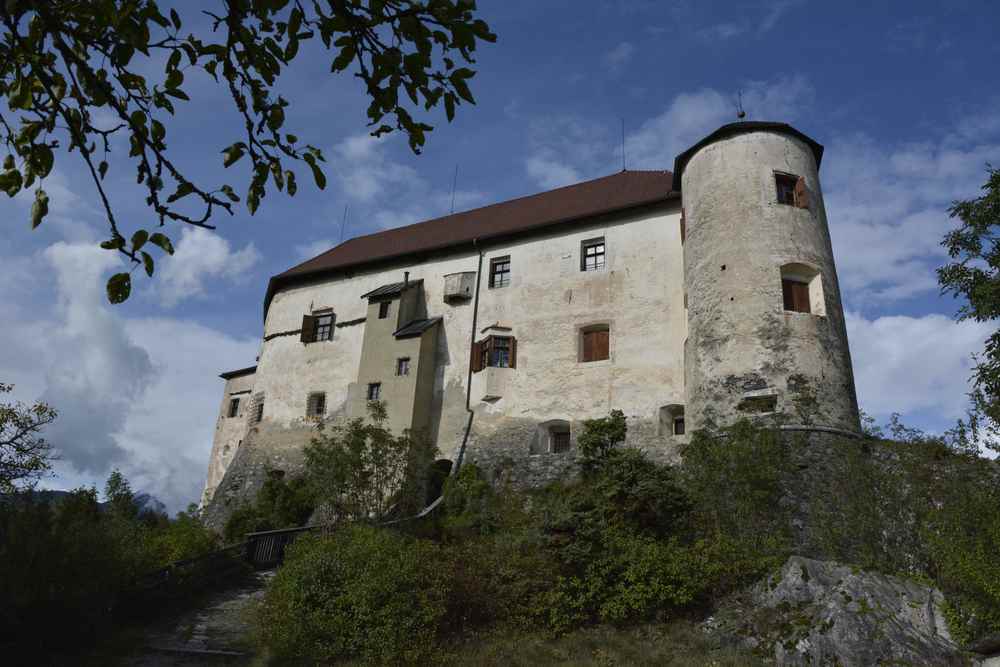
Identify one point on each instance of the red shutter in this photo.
(801, 193)
(513, 352)
(477, 357)
(801, 291)
(308, 333)
(788, 299)
(588, 346)
(601, 345)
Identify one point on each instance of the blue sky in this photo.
(903, 95)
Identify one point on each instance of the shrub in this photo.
(280, 503)
(362, 592)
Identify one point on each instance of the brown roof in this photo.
(624, 190)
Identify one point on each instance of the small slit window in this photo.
(678, 425)
(592, 255)
(316, 404)
(383, 309)
(500, 271)
(374, 391)
(403, 366)
(258, 416)
(234, 407)
(595, 343)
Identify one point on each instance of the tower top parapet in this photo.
(742, 127)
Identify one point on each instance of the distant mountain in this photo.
(149, 503)
(145, 502)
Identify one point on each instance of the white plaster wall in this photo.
(640, 294)
(229, 431)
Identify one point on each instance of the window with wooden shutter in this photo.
(323, 326)
(308, 333)
(477, 357)
(784, 185)
(495, 351)
(801, 193)
(795, 295)
(595, 343)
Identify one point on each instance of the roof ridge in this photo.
(499, 203)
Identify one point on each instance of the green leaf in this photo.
(318, 175)
(292, 187)
(449, 106)
(178, 93)
(102, 169)
(175, 19)
(139, 239)
(232, 154)
(183, 190)
(228, 191)
(119, 287)
(40, 208)
(163, 242)
(115, 243)
(147, 263)
(41, 160)
(159, 132)
(8, 162)
(175, 78)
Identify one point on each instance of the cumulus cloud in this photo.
(131, 393)
(917, 366)
(387, 192)
(568, 149)
(201, 255)
(887, 206)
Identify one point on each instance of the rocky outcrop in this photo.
(822, 613)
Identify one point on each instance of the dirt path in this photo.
(214, 633)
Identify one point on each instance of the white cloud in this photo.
(616, 59)
(200, 255)
(774, 10)
(387, 192)
(550, 174)
(917, 366)
(722, 31)
(310, 250)
(131, 393)
(887, 207)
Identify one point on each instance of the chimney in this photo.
(406, 279)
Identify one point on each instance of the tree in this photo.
(24, 455)
(362, 472)
(63, 63)
(974, 276)
(118, 494)
(599, 439)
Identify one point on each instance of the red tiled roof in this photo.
(624, 190)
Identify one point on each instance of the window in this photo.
(795, 295)
(785, 186)
(258, 416)
(403, 366)
(592, 255)
(234, 407)
(318, 327)
(802, 289)
(791, 190)
(500, 271)
(595, 343)
(324, 327)
(374, 391)
(383, 309)
(495, 351)
(560, 442)
(316, 404)
(678, 425)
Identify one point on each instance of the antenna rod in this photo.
(454, 182)
(343, 223)
(623, 142)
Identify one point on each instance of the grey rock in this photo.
(822, 613)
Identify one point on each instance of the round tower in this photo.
(766, 333)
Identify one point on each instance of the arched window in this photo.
(802, 289)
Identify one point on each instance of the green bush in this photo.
(280, 503)
(362, 592)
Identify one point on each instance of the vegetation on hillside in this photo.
(73, 567)
(630, 542)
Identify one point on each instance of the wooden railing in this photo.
(267, 548)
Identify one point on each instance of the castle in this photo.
(686, 299)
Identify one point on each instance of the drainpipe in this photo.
(468, 382)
